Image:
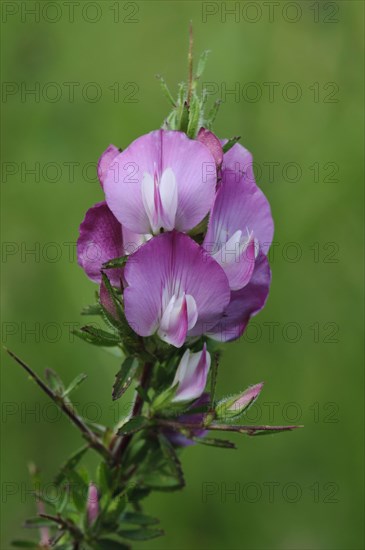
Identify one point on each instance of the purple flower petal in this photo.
(246, 398)
(244, 303)
(105, 161)
(191, 375)
(174, 287)
(237, 163)
(239, 207)
(100, 240)
(237, 258)
(177, 438)
(162, 180)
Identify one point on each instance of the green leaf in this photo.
(117, 318)
(104, 477)
(75, 384)
(134, 425)
(138, 518)
(94, 309)
(172, 459)
(140, 534)
(166, 90)
(124, 377)
(115, 262)
(54, 381)
(70, 464)
(136, 452)
(64, 499)
(78, 489)
(111, 544)
(194, 117)
(213, 378)
(97, 336)
(45, 499)
(273, 430)
(212, 115)
(164, 399)
(115, 510)
(223, 443)
(201, 64)
(160, 481)
(24, 544)
(37, 522)
(230, 143)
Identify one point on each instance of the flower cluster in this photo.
(194, 230)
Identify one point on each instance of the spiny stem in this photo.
(93, 441)
(190, 63)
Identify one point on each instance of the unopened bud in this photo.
(92, 503)
(233, 406)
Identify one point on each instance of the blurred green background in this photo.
(302, 490)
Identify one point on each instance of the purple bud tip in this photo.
(212, 142)
(106, 301)
(247, 397)
(92, 503)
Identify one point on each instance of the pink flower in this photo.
(163, 180)
(174, 288)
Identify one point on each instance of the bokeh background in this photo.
(302, 490)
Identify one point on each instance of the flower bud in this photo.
(234, 406)
(212, 142)
(92, 503)
(191, 375)
(106, 300)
